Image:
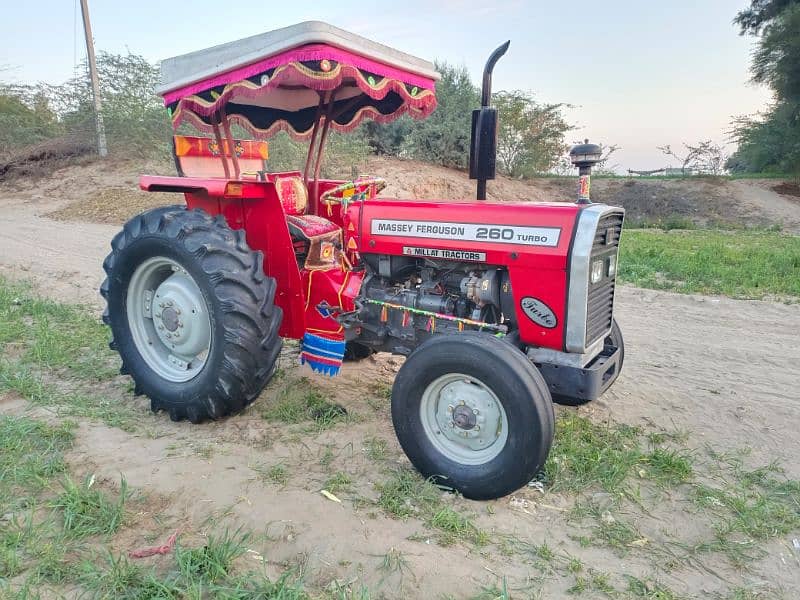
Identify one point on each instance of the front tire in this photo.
(473, 413)
(191, 313)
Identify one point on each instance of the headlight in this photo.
(612, 266)
(597, 271)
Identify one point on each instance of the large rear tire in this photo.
(473, 413)
(191, 313)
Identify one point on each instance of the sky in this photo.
(639, 74)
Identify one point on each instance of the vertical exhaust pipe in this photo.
(483, 144)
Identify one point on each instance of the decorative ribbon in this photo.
(432, 316)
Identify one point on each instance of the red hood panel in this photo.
(520, 234)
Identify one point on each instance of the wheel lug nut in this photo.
(450, 408)
(474, 411)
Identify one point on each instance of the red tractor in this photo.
(500, 308)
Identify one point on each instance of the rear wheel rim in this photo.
(464, 419)
(168, 319)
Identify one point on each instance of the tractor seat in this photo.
(292, 193)
(307, 227)
(315, 241)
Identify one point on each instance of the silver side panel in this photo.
(579, 275)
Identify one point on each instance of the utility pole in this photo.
(102, 149)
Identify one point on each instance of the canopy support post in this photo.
(218, 137)
(313, 138)
(325, 129)
(226, 127)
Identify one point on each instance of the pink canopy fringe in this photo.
(304, 53)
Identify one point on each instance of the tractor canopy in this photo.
(292, 79)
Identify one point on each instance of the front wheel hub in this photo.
(464, 419)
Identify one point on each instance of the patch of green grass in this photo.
(740, 264)
(407, 494)
(55, 335)
(203, 572)
(32, 455)
(592, 581)
(125, 580)
(338, 482)
(73, 403)
(614, 532)
(668, 467)
(299, 401)
(393, 563)
(87, 510)
(34, 542)
(493, 592)
(757, 512)
(454, 527)
(649, 589)
(213, 561)
(54, 355)
(585, 454)
(278, 474)
(589, 455)
(375, 448)
(255, 586)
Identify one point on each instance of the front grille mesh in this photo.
(600, 302)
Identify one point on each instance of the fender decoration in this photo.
(322, 354)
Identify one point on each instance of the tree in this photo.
(26, 116)
(444, 137)
(387, 139)
(768, 141)
(776, 61)
(530, 135)
(704, 157)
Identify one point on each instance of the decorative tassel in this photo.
(323, 355)
(406, 318)
(431, 326)
(384, 314)
(461, 326)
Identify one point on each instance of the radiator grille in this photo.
(600, 301)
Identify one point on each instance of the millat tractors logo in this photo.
(538, 312)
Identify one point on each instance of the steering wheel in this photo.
(353, 191)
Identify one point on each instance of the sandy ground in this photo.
(724, 370)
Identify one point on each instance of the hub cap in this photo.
(464, 419)
(168, 319)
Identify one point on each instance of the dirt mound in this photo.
(107, 192)
(112, 205)
(788, 188)
(42, 159)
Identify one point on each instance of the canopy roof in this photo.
(282, 80)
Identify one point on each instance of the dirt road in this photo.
(723, 370)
